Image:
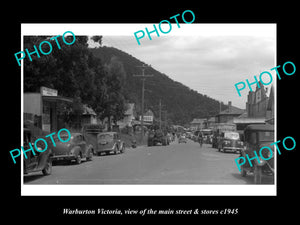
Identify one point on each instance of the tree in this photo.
(72, 70)
(114, 100)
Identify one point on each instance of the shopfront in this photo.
(41, 109)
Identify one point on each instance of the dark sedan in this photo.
(74, 150)
(230, 141)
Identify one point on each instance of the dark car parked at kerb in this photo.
(74, 150)
(256, 137)
(157, 137)
(109, 142)
(41, 161)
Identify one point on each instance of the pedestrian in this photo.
(200, 139)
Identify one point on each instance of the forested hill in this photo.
(182, 103)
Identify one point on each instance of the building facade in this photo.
(198, 124)
(257, 102)
(41, 110)
(271, 107)
(228, 115)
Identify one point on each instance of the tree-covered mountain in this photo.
(102, 78)
(181, 103)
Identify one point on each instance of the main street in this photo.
(173, 164)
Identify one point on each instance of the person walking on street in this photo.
(200, 139)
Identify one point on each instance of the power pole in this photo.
(160, 114)
(165, 124)
(143, 76)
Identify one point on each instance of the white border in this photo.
(149, 190)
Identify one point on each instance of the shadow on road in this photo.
(32, 177)
(249, 179)
(67, 163)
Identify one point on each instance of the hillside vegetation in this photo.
(182, 103)
(102, 78)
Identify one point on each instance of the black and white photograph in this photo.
(149, 111)
(165, 112)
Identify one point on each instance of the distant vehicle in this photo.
(189, 134)
(230, 141)
(157, 137)
(109, 142)
(74, 150)
(195, 137)
(207, 135)
(41, 161)
(182, 139)
(256, 137)
(218, 129)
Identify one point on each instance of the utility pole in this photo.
(160, 114)
(143, 76)
(165, 124)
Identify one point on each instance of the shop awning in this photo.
(57, 98)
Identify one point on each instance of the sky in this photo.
(208, 58)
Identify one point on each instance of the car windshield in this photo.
(266, 136)
(234, 136)
(106, 137)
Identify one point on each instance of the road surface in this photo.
(173, 164)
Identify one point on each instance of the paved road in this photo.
(173, 164)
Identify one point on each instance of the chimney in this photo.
(229, 106)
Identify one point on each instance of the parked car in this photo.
(109, 142)
(256, 137)
(157, 137)
(189, 134)
(90, 133)
(41, 161)
(182, 139)
(74, 150)
(230, 141)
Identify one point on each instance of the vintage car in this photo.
(256, 137)
(41, 161)
(207, 136)
(108, 142)
(74, 150)
(230, 141)
(157, 137)
(182, 139)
